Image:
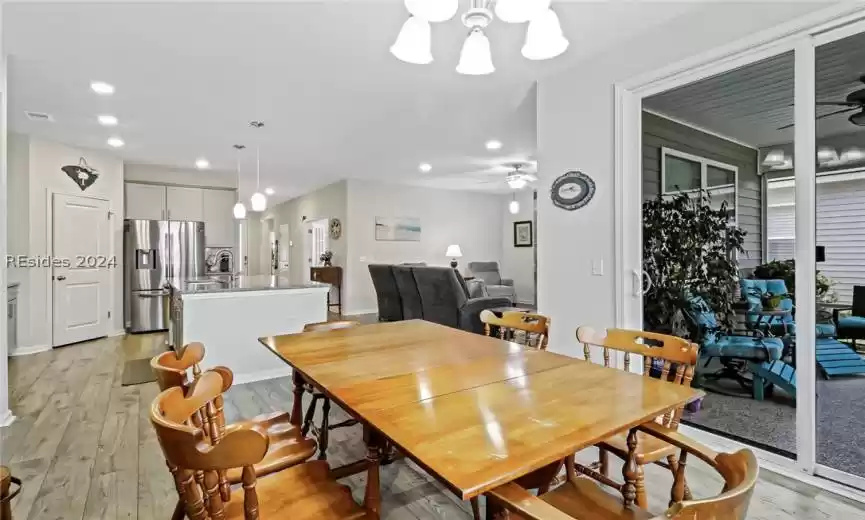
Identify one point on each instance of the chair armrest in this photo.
(241, 446)
(680, 441)
(530, 507)
(507, 281)
(476, 305)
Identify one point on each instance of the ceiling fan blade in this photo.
(791, 125)
(823, 116)
(838, 103)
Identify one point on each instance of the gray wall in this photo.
(659, 132)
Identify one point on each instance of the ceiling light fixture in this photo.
(544, 36)
(774, 158)
(494, 144)
(239, 209)
(102, 88)
(106, 120)
(517, 183)
(514, 206)
(115, 142)
(826, 154)
(425, 167)
(853, 155)
(258, 200)
(202, 163)
(269, 191)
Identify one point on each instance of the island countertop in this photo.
(238, 283)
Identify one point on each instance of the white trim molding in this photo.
(28, 350)
(6, 418)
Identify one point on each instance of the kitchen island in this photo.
(229, 314)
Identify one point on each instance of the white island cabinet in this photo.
(229, 316)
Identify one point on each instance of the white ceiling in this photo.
(336, 104)
(751, 103)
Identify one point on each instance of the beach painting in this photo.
(400, 229)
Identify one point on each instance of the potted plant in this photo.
(769, 300)
(326, 258)
(786, 270)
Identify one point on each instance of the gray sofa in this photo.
(492, 278)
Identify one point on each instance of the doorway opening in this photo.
(317, 243)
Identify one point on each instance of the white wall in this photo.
(472, 220)
(518, 263)
(576, 132)
(34, 179)
(187, 177)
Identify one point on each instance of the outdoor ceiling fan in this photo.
(854, 101)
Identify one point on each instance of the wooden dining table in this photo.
(475, 412)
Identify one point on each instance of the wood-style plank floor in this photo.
(85, 449)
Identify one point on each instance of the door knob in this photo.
(61, 278)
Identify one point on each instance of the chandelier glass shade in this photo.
(544, 37)
(520, 11)
(414, 42)
(476, 58)
(433, 10)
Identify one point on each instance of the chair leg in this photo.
(642, 499)
(476, 508)
(604, 459)
(179, 511)
(309, 415)
(324, 429)
(678, 494)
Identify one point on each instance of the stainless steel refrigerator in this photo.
(156, 251)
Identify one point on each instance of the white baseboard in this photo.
(359, 312)
(6, 418)
(27, 350)
(240, 379)
(120, 332)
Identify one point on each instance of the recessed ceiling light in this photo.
(493, 144)
(115, 142)
(269, 191)
(202, 163)
(425, 167)
(106, 120)
(100, 87)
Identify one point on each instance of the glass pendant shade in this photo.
(239, 211)
(520, 11)
(544, 37)
(258, 201)
(476, 58)
(517, 183)
(514, 207)
(414, 42)
(433, 10)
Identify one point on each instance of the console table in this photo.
(333, 276)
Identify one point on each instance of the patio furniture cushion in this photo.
(824, 330)
(750, 287)
(745, 347)
(851, 322)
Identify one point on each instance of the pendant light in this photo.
(433, 10)
(514, 206)
(520, 11)
(239, 208)
(476, 58)
(258, 200)
(544, 37)
(414, 43)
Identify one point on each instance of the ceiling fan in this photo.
(516, 179)
(854, 101)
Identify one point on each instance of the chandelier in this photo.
(544, 36)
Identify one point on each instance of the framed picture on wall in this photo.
(523, 234)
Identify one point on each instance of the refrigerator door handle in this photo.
(160, 294)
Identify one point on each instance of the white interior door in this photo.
(284, 244)
(81, 291)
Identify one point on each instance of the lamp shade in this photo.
(239, 211)
(476, 58)
(414, 42)
(258, 201)
(433, 10)
(544, 37)
(520, 11)
(514, 207)
(454, 251)
(517, 183)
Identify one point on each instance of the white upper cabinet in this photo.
(220, 228)
(185, 203)
(145, 201)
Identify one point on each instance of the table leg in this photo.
(297, 403)
(629, 470)
(372, 496)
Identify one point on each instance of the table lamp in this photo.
(454, 252)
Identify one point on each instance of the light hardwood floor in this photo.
(85, 449)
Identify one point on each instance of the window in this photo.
(683, 172)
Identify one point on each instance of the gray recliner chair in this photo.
(492, 278)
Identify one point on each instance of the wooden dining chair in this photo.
(532, 330)
(303, 492)
(664, 357)
(286, 446)
(321, 432)
(582, 498)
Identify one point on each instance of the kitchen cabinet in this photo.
(220, 227)
(145, 201)
(184, 203)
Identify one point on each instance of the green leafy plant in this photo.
(786, 270)
(689, 249)
(768, 299)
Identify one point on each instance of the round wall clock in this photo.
(573, 190)
(335, 228)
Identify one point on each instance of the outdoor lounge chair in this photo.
(852, 327)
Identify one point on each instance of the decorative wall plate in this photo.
(335, 228)
(82, 173)
(572, 190)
